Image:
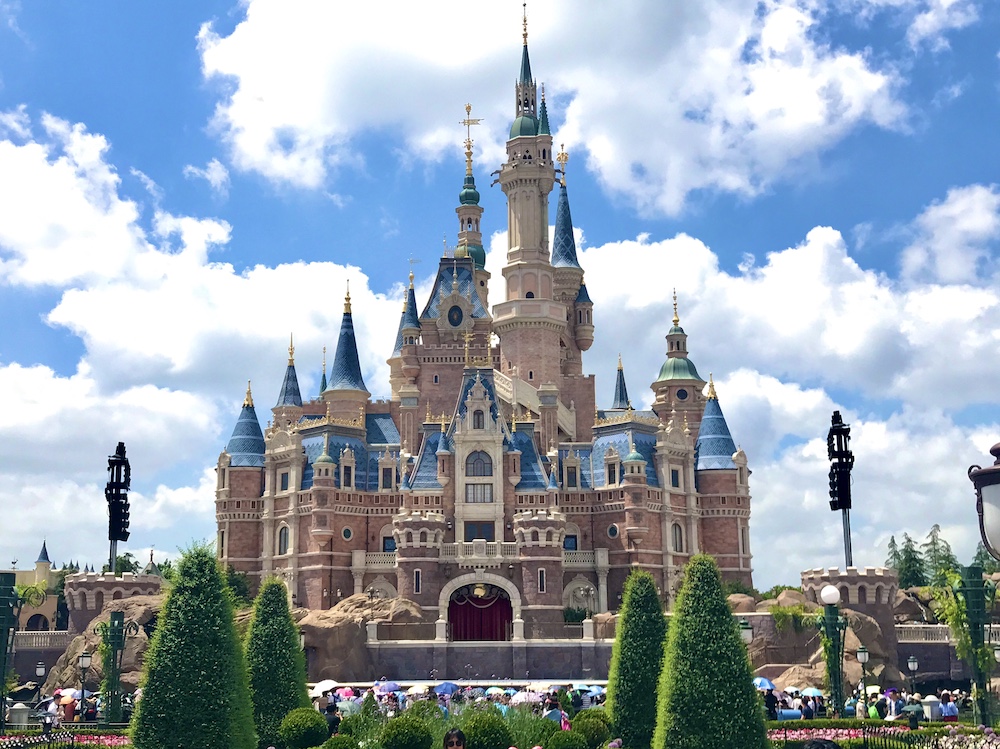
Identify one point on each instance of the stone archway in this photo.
(474, 577)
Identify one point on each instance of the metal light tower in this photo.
(10, 611)
(113, 635)
(838, 441)
(116, 492)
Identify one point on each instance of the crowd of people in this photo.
(888, 705)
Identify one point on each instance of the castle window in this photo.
(541, 580)
(570, 542)
(612, 469)
(478, 463)
(478, 420)
(612, 531)
(744, 540)
(479, 493)
(571, 477)
(347, 481)
(283, 540)
(678, 534)
(675, 478)
(531, 375)
(388, 543)
(284, 481)
(222, 544)
(347, 533)
(416, 581)
(474, 531)
(530, 295)
(387, 478)
(436, 379)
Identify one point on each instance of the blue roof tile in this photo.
(533, 476)
(246, 446)
(425, 475)
(442, 288)
(289, 395)
(621, 392)
(346, 372)
(714, 448)
(381, 430)
(563, 242)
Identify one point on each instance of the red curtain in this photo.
(486, 618)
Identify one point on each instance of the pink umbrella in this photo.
(345, 692)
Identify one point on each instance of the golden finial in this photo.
(468, 339)
(329, 411)
(291, 349)
(324, 360)
(619, 362)
(677, 320)
(562, 157)
(427, 418)
(411, 278)
(524, 5)
(687, 429)
(454, 276)
(248, 401)
(469, 121)
(347, 299)
(444, 421)
(711, 388)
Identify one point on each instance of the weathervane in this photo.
(562, 158)
(469, 121)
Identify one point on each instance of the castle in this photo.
(492, 488)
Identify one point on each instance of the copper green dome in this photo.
(633, 456)
(524, 125)
(678, 368)
(478, 255)
(469, 195)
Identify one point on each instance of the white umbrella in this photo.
(325, 686)
(417, 689)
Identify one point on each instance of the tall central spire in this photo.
(525, 63)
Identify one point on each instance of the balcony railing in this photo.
(552, 631)
(380, 559)
(937, 633)
(57, 640)
(587, 559)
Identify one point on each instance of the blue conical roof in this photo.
(289, 395)
(582, 297)
(410, 317)
(246, 446)
(714, 448)
(43, 555)
(543, 120)
(397, 348)
(553, 484)
(346, 372)
(621, 392)
(525, 63)
(563, 243)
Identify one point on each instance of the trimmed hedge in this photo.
(566, 740)
(275, 662)
(636, 661)
(194, 680)
(594, 730)
(487, 730)
(594, 713)
(428, 710)
(706, 695)
(303, 728)
(406, 732)
(340, 742)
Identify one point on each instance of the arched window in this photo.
(530, 295)
(37, 623)
(478, 463)
(478, 420)
(678, 538)
(541, 580)
(283, 540)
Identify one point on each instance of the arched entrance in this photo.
(481, 612)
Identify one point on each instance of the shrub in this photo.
(275, 662)
(594, 713)
(487, 730)
(529, 730)
(302, 728)
(359, 725)
(635, 661)
(406, 732)
(340, 742)
(195, 679)
(594, 730)
(426, 710)
(566, 740)
(707, 697)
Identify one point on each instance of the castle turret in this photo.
(240, 476)
(678, 386)
(346, 394)
(569, 286)
(621, 401)
(43, 567)
(322, 379)
(288, 409)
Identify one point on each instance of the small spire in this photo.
(562, 157)
(291, 349)
(468, 339)
(619, 362)
(711, 388)
(444, 421)
(677, 320)
(454, 276)
(248, 401)
(411, 279)
(524, 21)
(469, 121)
(347, 299)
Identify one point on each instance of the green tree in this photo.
(167, 570)
(635, 661)
(911, 565)
(123, 563)
(275, 662)
(985, 560)
(62, 609)
(194, 680)
(939, 559)
(893, 559)
(707, 698)
(239, 586)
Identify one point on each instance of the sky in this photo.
(185, 184)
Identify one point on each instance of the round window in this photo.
(612, 531)
(682, 394)
(347, 533)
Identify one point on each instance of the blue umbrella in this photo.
(811, 692)
(762, 683)
(446, 687)
(581, 688)
(384, 687)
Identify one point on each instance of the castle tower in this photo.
(43, 567)
(346, 395)
(470, 238)
(621, 401)
(288, 409)
(678, 386)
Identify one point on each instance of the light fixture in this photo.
(911, 663)
(746, 631)
(84, 659)
(479, 591)
(830, 595)
(40, 670)
(996, 652)
(987, 483)
(863, 655)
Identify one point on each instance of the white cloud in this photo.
(753, 96)
(215, 173)
(955, 236)
(928, 21)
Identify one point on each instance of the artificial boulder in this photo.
(740, 603)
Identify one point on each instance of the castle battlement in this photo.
(869, 585)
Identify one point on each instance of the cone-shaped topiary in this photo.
(195, 679)
(274, 661)
(635, 662)
(707, 699)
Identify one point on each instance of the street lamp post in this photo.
(39, 674)
(834, 627)
(973, 589)
(10, 612)
(863, 655)
(113, 634)
(84, 661)
(912, 665)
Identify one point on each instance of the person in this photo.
(894, 705)
(332, 718)
(807, 710)
(771, 704)
(949, 710)
(454, 739)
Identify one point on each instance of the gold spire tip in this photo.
(677, 320)
(347, 299)
(411, 279)
(524, 21)
(711, 388)
(248, 401)
(619, 362)
(291, 349)
(562, 157)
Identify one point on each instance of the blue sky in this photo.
(184, 184)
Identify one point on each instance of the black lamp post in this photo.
(10, 612)
(39, 674)
(84, 661)
(973, 589)
(834, 627)
(113, 634)
(863, 655)
(912, 664)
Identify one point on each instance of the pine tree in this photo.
(911, 565)
(985, 560)
(275, 662)
(706, 697)
(939, 559)
(894, 558)
(636, 658)
(195, 680)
